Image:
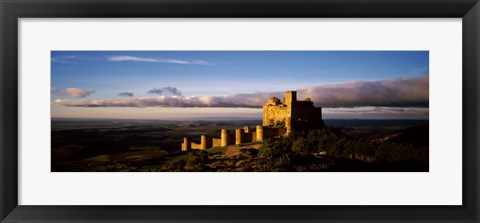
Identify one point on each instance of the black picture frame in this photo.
(12, 10)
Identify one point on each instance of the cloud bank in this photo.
(399, 92)
(156, 60)
(377, 112)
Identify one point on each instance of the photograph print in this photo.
(239, 111)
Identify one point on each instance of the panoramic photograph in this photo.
(239, 111)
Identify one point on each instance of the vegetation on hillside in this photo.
(326, 149)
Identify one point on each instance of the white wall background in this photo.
(441, 186)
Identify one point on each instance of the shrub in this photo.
(175, 166)
(197, 161)
(296, 148)
(300, 145)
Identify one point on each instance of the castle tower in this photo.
(203, 142)
(288, 125)
(186, 145)
(224, 137)
(238, 136)
(259, 133)
(290, 98)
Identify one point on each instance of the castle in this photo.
(279, 119)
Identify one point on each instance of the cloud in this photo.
(126, 94)
(69, 59)
(165, 90)
(156, 60)
(76, 92)
(62, 59)
(400, 92)
(54, 90)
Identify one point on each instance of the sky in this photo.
(200, 84)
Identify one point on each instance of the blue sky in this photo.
(81, 78)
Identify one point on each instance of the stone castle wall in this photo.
(216, 142)
(235, 137)
(274, 115)
(195, 146)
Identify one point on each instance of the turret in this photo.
(259, 133)
(224, 137)
(203, 142)
(238, 136)
(186, 145)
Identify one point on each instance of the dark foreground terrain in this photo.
(346, 145)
